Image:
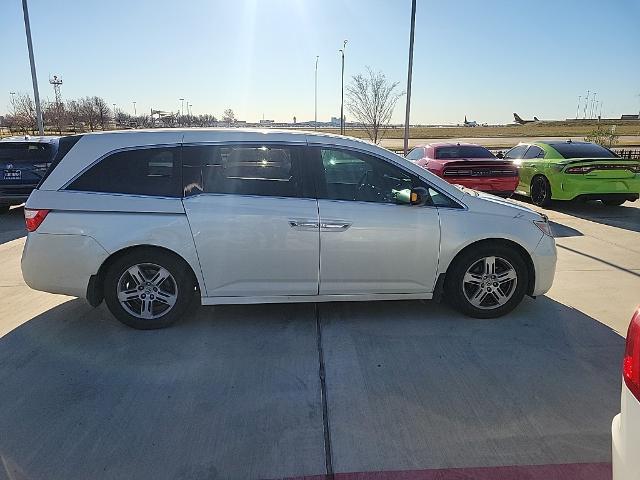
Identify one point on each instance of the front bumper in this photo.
(566, 186)
(625, 438)
(544, 259)
(61, 263)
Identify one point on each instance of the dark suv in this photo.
(23, 162)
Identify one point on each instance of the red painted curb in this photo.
(567, 471)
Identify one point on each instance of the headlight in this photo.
(544, 226)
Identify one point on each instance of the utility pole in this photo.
(593, 102)
(409, 73)
(315, 116)
(34, 78)
(578, 107)
(344, 47)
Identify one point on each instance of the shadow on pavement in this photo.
(233, 391)
(12, 225)
(625, 216)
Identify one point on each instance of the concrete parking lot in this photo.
(410, 388)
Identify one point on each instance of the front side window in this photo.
(355, 176)
(264, 170)
(516, 153)
(144, 171)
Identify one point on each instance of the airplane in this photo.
(471, 123)
(520, 121)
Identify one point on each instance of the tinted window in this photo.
(243, 170)
(415, 154)
(534, 152)
(359, 177)
(64, 145)
(463, 151)
(145, 171)
(582, 150)
(25, 152)
(516, 152)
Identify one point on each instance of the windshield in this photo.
(463, 151)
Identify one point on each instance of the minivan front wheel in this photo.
(487, 281)
(146, 289)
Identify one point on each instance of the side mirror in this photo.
(419, 196)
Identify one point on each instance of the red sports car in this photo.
(469, 165)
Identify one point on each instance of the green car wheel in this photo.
(540, 191)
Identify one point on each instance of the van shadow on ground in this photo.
(233, 392)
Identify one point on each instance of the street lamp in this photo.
(135, 114)
(409, 72)
(114, 115)
(344, 47)
(181, 106)
(34, 78)
(578, 107)
(315, 116)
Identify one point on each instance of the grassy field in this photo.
(542, 129)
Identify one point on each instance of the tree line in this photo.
(370, 98)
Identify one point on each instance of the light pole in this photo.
(135, 114)
(34, 78)
(591, 106)
(409, 73)
(114, 115)
(586, 101)
(315, 116)
(578, 107)
(344, 47)
(181, 106)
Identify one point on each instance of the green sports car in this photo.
(567, 170)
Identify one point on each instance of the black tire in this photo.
(4, 209)
(611, 202)
(181, 283)
(455, 286)
(540, 191)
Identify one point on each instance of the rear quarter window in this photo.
(582, 150)
(143, 171)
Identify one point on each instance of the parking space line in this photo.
(323, 396)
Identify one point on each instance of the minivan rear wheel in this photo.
(487, 281)
(147, 289)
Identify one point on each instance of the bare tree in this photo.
(102, 111)
(228, 116)
(23, 114)
(88, 113)
(371, 99)
(74, 114)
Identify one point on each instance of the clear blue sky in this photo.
(482, 58)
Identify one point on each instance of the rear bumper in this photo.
(570, 187)
(501, 186)
(61, 263)
(15, 194)
(544, 259)
(625, 438)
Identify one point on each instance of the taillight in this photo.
(33, 218)
(631, 361)
(579, 170)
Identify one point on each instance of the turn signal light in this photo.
(33, 218)
(631, 361)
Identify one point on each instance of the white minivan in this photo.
(147, 219)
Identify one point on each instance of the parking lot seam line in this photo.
(323, 397)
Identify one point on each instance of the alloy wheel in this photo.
(147, 291)
(489, 282)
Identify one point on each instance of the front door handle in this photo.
(303, 224)
(334, 226)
